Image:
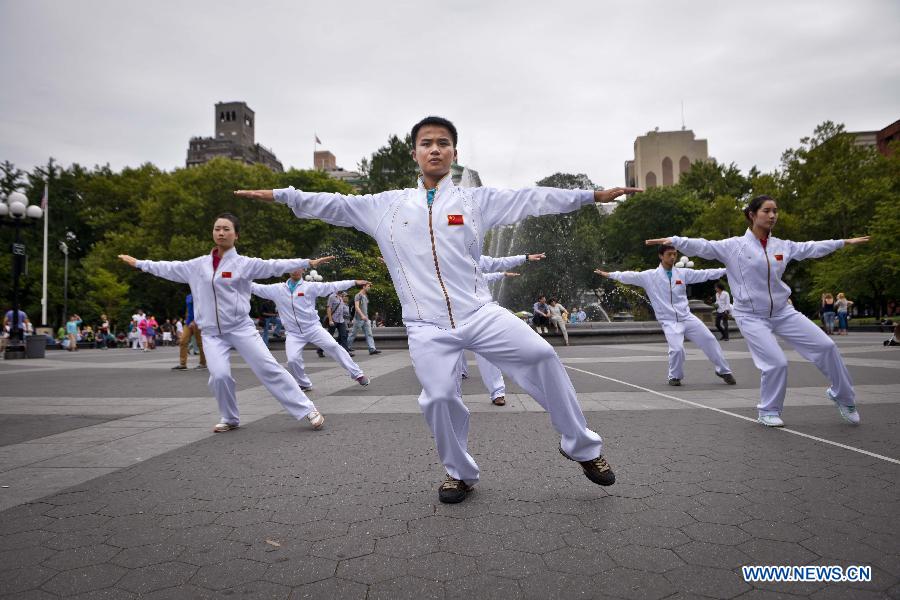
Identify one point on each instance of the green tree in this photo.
(709, 180)
(391, 167)
(654, 213)
(10, 177)
(571, 242)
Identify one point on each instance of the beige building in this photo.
(660, 157)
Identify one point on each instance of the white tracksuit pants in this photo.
(491, 376)
(317, 335)
(693, 329)
(807, 339)
(250, 346)
(505, 340)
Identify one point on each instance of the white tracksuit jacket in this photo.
(221, 298)
(439, 282)
(297, 309)
(754, 273)
(668, 297)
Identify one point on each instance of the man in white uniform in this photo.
(431, 239)
(295, 300)
(666, 287)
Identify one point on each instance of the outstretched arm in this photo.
(173, 270)
(264, 291)
(258, 268)
(717, 250)
(804, 250)
(700, 275)
(490, 264)
(329, 287)
(359, 212)
(629, 277)
(501, 207)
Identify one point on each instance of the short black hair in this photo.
(755, 204)
(440, 122)
(664, 248)
(720, 286)
(232, 218)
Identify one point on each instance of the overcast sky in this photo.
(534, 87)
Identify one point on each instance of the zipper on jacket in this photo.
(296, 320)
(216, 299)
(769, 281)
(437, 269)
(672, 299)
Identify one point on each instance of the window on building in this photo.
(668, 177)
(247, 121)
(651, 179)
(684, 165)
(221, 116)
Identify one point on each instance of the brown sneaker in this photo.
(597, 470)
(453, 490)
(316, 419)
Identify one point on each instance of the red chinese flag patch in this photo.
(454, 219)
(679, 282)
(300, 294)
(779, 257)
(226, 274)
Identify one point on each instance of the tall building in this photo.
(660, 157)
(324, 160)
(880, 140)
(234, 139)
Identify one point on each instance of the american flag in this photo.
(318, 141)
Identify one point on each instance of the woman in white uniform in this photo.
(220, 284)
(755, 263)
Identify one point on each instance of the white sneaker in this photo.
(316, 419)
(771, 420)
(849, 413)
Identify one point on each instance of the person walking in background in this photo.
(842, 308)
(135, 331)
(723, 309)
(828, 313)
(166, 330)
(755, 263)
(103, 332)
(72, 332)
(556, 312)
(540, 319)
(152, 332)
(361, 320)
(336, 313)
(189, 331)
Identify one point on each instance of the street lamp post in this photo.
(14, 212)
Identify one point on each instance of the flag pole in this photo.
(315, 147)
(46, 203)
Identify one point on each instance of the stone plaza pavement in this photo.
(113, 485)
